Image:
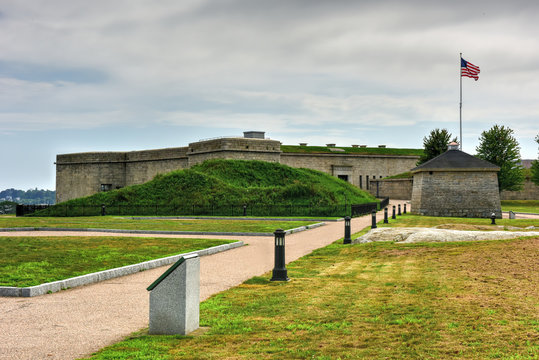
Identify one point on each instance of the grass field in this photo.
(410, 220)
(113, 222)
(29, 261)
(525, 206)
(473, 300)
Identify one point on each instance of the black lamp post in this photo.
(103, 210)
(404, 208)
(393, 216)
(347, 239)
(279, 270)
(373, 216)
(493, 218)
(399, 213)
(385, 216)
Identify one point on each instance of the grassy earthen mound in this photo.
(218, 183)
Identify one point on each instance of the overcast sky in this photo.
(78, 76)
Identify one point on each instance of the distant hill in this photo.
(220, 182)
(32, 196)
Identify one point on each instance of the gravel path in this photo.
(74, 323)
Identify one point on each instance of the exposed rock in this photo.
(414, 235)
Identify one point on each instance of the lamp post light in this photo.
(385, 216)
(103, 210)
(393, 216)
(404, 212)
(493, 218)
(373, 216)
(279, 270)
(347, 239)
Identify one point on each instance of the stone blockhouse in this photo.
(84, 174)
(456, 184)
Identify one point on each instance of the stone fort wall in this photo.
(400, 189)
(359, 170)
(84, 174)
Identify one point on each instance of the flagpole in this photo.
(460, 105)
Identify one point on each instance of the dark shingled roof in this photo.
(456, 160)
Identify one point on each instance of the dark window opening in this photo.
(361, 181)
(106, 187)
(343, 177)
(367, 181)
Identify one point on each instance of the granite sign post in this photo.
(175, 298)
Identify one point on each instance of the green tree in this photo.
(535, 166)
(435, 144)
(499, 146)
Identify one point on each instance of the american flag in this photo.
(468, 69)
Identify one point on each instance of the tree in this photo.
(435, 144)
(535, 166)
(499, 147)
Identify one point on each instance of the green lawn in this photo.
(474, 300)
(410, 220)
(114, 222)
(29, 261)
(525, 206)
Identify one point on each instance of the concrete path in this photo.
(74, 323)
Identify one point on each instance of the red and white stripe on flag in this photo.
(469, 70)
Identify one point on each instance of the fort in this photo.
(83, 174)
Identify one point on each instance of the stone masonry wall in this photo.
(530, 191)
(456, 193)
(142, 166)
(234, 148)
(400, 189)
(79, 175)
(360, 169)
(83, 174)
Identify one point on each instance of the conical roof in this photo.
(456, 160)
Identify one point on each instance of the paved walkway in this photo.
(74, 323)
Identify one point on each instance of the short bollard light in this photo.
(385, 216)
(279, 270)
(373, 215)
(393, 216)
(399, 213)
(244, 209)
(347, 238)
(404, 212)
(103, 210)
(493, 218)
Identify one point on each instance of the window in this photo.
(361, 181)
(106, 187)
(367, 181)
(343, 177)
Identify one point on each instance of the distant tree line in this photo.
(32, 196)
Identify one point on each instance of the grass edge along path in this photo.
(121, 223)
(380, 300)
(31, 261)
